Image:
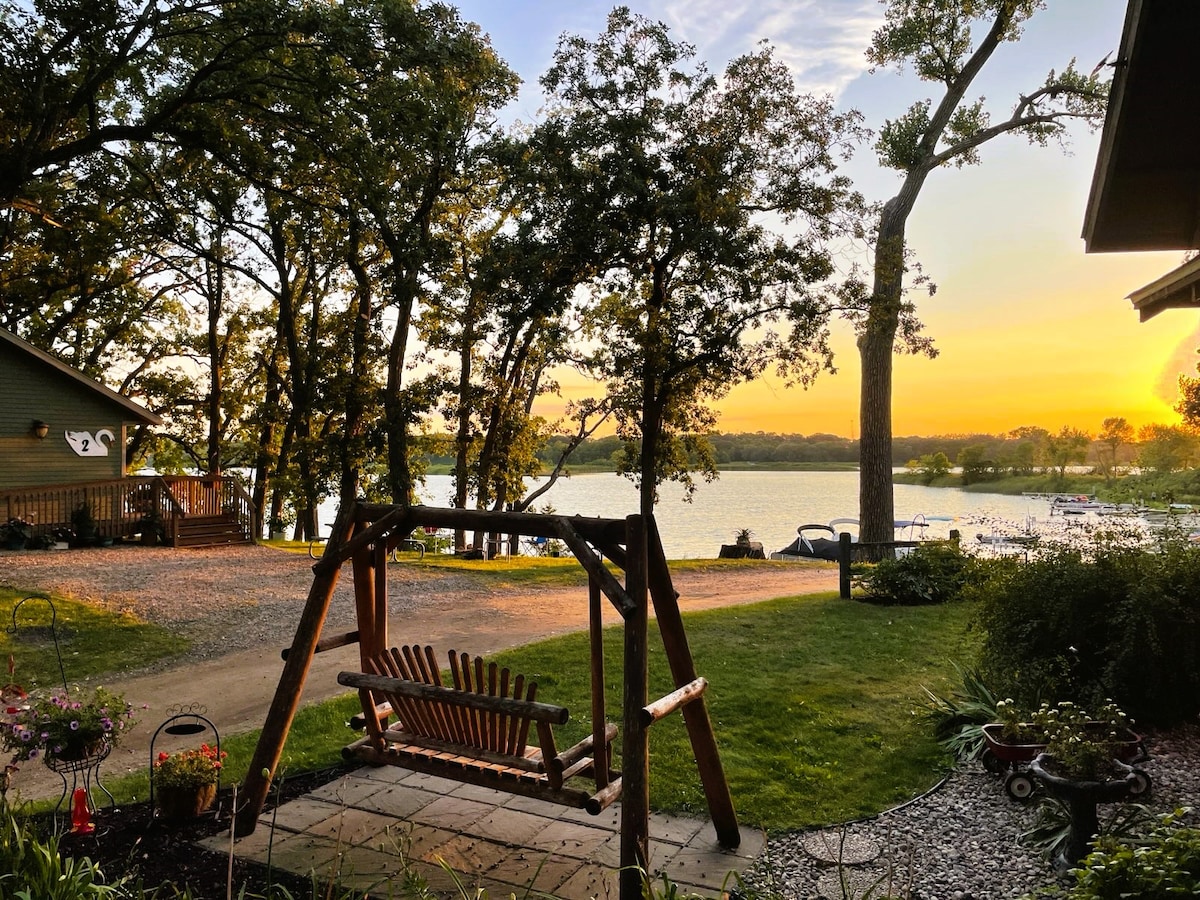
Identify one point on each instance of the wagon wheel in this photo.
(1019, 786)
(1142, 784)
(992, 763)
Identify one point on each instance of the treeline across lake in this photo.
(1116, 450)
(1027, 451)
(735, 450)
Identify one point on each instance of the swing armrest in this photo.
(664, 706)
(584, 748)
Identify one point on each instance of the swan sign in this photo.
(84, 444)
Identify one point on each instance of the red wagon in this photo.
(1004, 756)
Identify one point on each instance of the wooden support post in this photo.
(381, 597)
(362, 564)
(291, 684)
(695, 715)
(844, 565)
(635, 746)
(596, 639)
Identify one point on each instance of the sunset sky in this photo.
(1031, 331)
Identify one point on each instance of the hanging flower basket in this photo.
(65, 728)
(185, 783)
(77, 750)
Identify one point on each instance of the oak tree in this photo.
(673, 178)
(946, 43)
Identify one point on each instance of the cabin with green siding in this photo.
(57, 426)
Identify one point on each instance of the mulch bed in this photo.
(129, 841)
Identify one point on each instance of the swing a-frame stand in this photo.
(474, 730)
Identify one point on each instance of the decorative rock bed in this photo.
(960, 841)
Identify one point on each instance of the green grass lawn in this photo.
(815, 702)
(94, 641)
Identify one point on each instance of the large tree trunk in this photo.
(216, 375)
(876, 343)
(876, 507)
(395, 411)
(263, 469)
(353, 450)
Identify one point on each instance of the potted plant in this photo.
(60, 728)
(84, 526)
(1085, 743)
(185, 783)
(16, 533)
(743, 536)
(277, 528)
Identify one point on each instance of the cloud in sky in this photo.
(822, 41)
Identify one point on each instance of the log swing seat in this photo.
(488, 727)
(475, 731)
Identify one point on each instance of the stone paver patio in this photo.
(365, 826)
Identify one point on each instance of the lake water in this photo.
(771, 504)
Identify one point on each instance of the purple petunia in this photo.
(74, 724)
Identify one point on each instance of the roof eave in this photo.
(1178, 289)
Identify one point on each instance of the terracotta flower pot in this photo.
(181, 802)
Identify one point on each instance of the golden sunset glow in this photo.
(1030, 330)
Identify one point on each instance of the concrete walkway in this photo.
(366, 829)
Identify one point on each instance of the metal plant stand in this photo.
(81, 773)
(12, 629)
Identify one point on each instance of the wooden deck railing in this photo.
(129, 506)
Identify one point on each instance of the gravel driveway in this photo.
(247, 597)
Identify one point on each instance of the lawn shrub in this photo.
(931, 573)
(1121, 623)
(1164, 864)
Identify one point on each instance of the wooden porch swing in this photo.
(476, 728)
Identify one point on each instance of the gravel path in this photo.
(958, 842)
(223, 599)
(238, 598)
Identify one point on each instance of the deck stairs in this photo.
(209, 531)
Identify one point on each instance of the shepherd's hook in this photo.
(12, 629)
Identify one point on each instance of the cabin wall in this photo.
(75, 450)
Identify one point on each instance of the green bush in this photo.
(931, 573)
(1121, 623)
(1165, 864)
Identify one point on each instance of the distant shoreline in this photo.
(741, 466)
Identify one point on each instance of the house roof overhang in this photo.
(1145, 191)
(134, 412)
(1179, 288)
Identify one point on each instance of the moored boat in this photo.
(1075, 505)
(821, 541)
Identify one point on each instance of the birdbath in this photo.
(1081, 799)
